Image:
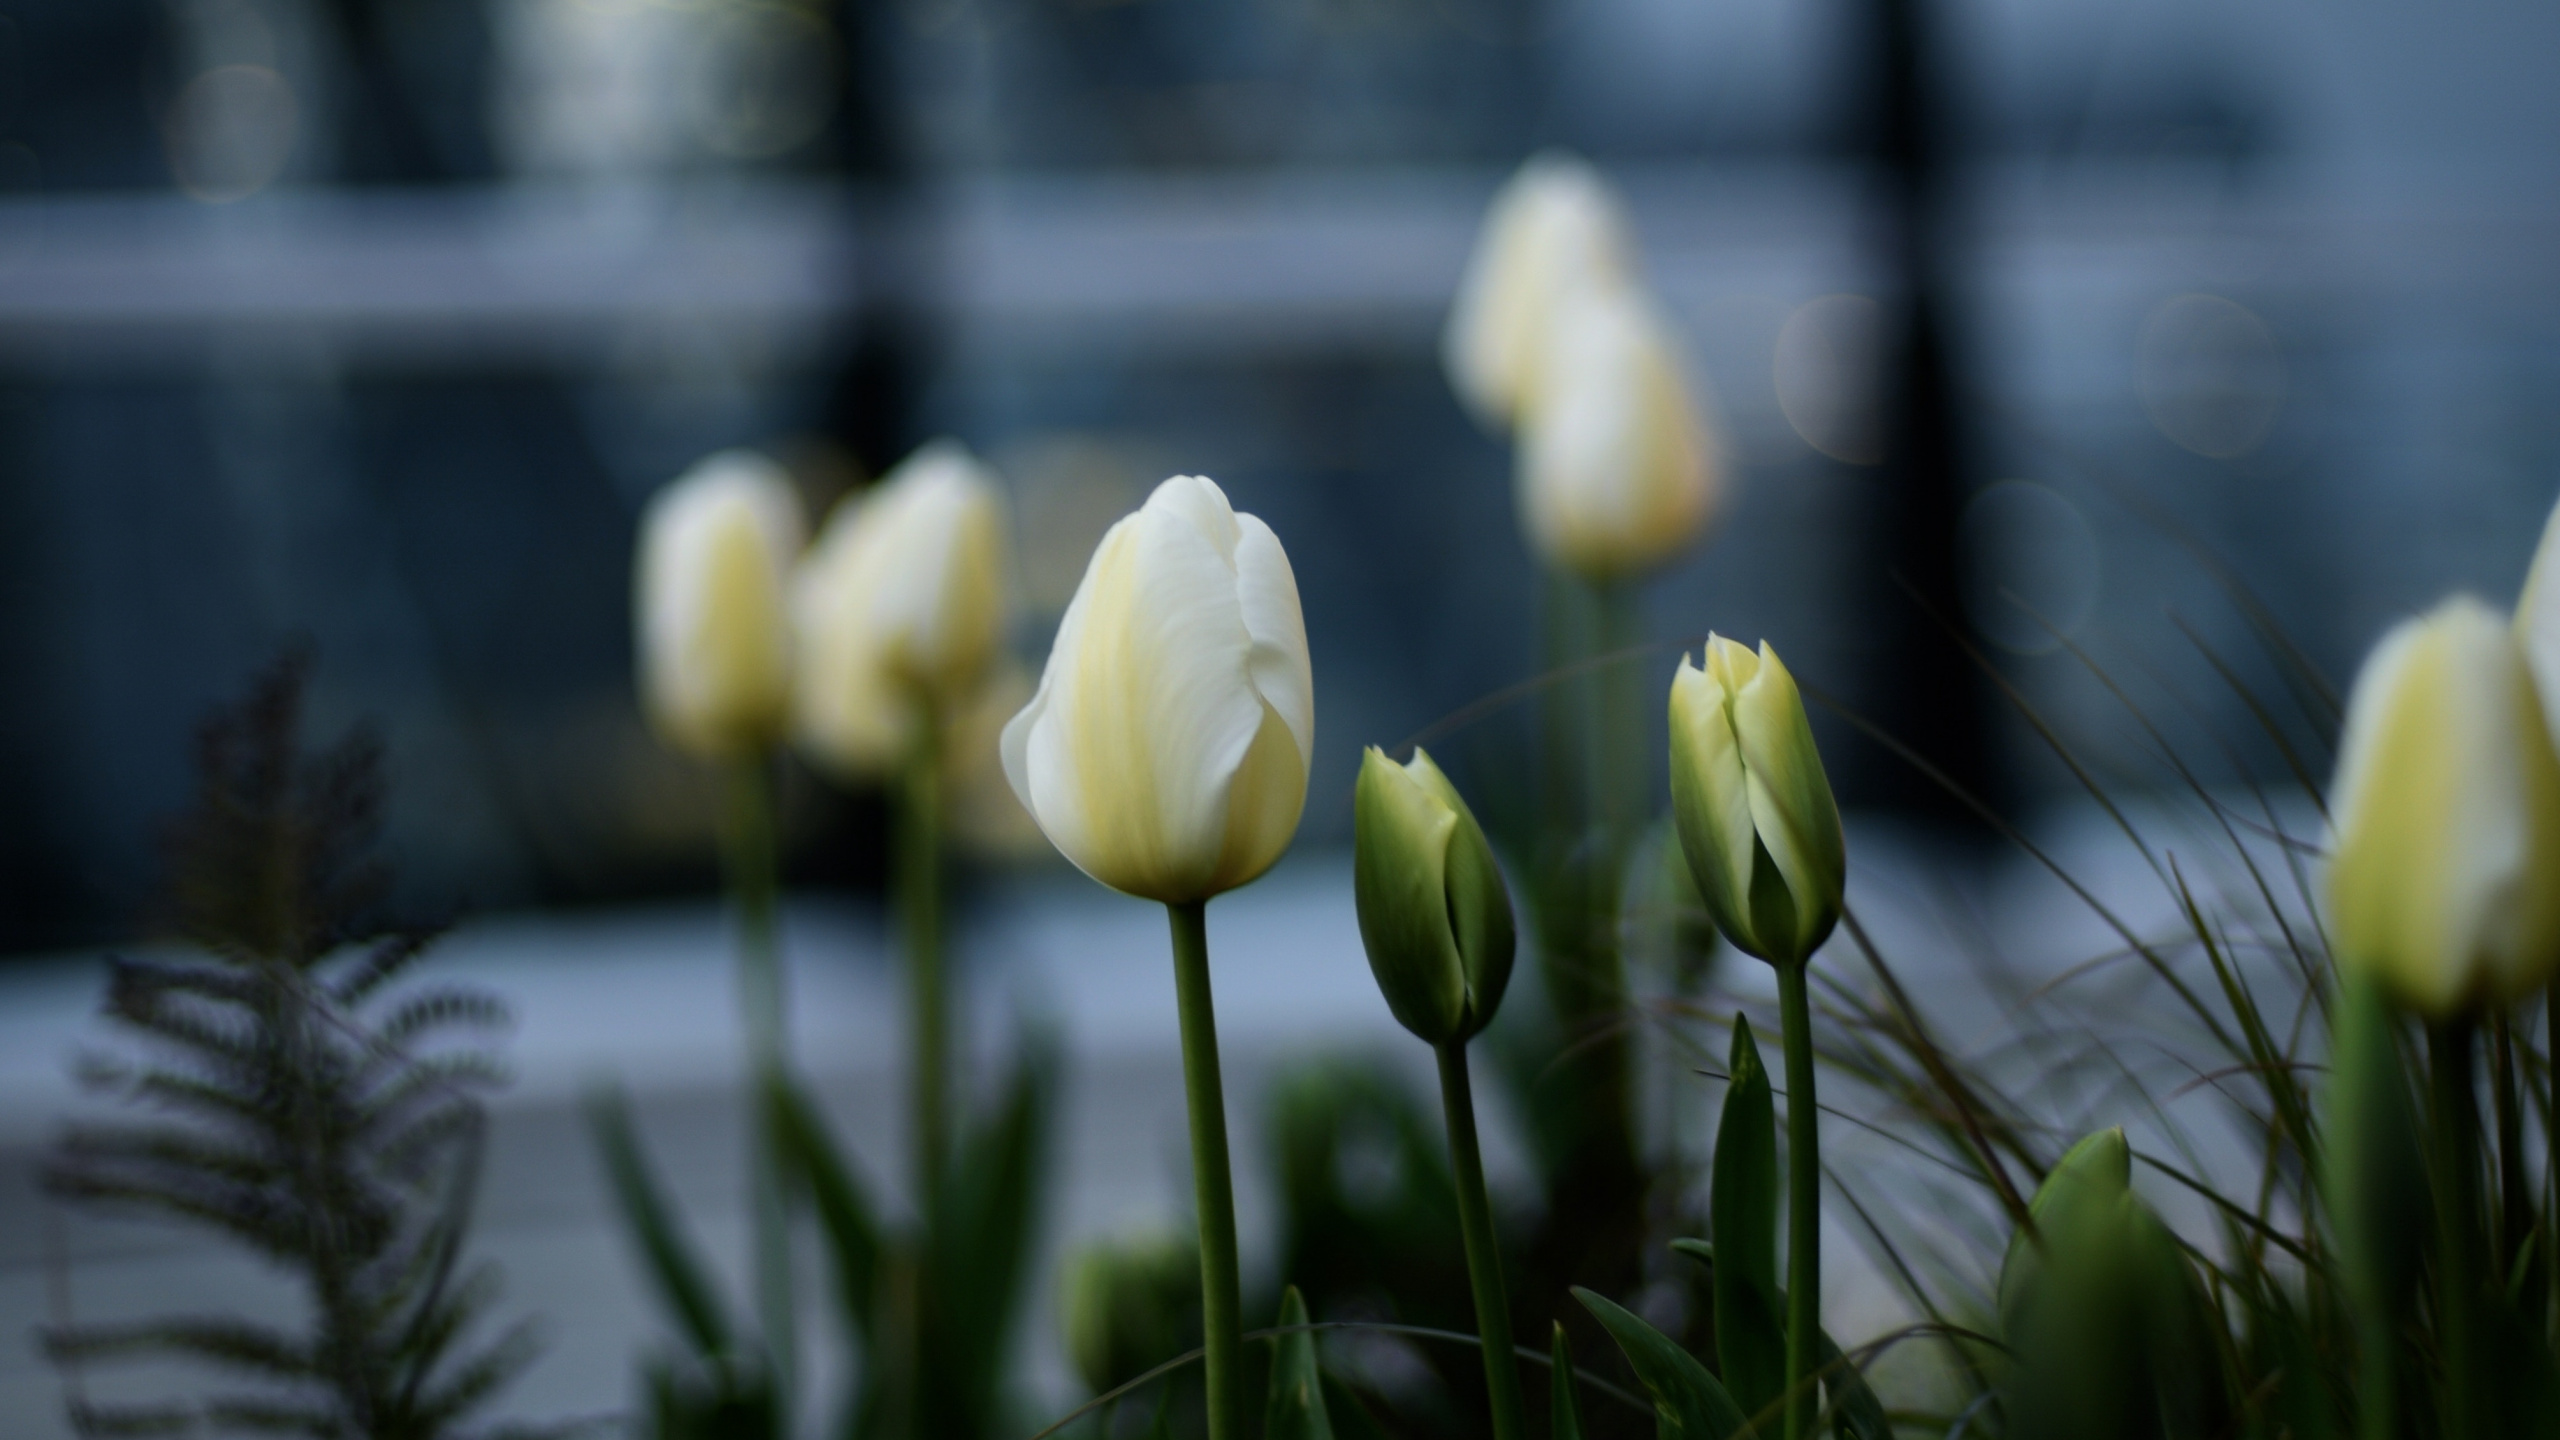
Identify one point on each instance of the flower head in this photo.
(1166, 750)
(714, 636)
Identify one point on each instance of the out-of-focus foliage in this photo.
(286, 1098)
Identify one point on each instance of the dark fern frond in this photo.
(429, 1011)
(294, 1108)
(383, 961)
(223, 1339)
(134, 1422)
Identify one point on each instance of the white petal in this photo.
(1280, 667)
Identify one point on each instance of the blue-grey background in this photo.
(374, 323)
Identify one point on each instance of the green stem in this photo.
(1213, 1186)
(2515, 1207)
(2453, 1152)
(1484, 1258)
(920, 916)
(754, 888)
(1804, 1203)
(1623, 746)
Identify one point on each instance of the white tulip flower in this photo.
(1554, 226)
(1166, 750)
(2446, 810)
(714, 634)
(899, 606)
(1617, 470)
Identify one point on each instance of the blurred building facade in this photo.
(373, 323)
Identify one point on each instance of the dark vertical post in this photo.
(872, 410)
(1918, 684)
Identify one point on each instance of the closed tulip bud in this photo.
(2538, 617)
(1752, 803)
(1166, 750)
(899, 606)
(1554, 225)
(2446, 810)
(2110, 1333)
(1617, 472)
(714, 636)
(1434, 914)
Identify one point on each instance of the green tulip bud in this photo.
(1434, 914)
(2109, 1332)
(1753, 805)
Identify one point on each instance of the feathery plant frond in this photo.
(274, 1095)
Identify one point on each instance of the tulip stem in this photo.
(754, 889)
(920, 916)
(1804, 1202)
(1213, 1187)
(2453, 1136)
(1623, 746)
(1484, 1259)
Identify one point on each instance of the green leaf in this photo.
(668, 1256)
(1688, 1402)
(1751, 1344)
(1855, 1411)
(1296, 1410)
(1565, 1411)
(975, 1250)
(1351, 1418)
(845, 1214)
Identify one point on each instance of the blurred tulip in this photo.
(2446, 809)
(1617, 472)
(2538, 617)
(1166, 750)
(987, 818)
(1753, 805)
(899, 606)
(1434, 915)
(1553, 225)
(714, 636)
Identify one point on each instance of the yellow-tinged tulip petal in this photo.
(900, 605)
(1752, 804)
(1553, 225)
(714, 639)
(1166, 750)
(1617, 471)
(2447, 817)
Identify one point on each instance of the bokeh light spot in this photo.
(2212, 378)
(1826, 376)
(2033, 564)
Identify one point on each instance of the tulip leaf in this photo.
(1856, 1412)
(1751, 1347)
(1565, 1410)
(846, 1217)
(1297, 1408)
(1688, 1402)
(1351, 1418)
(668, 1256)
(979, 1240)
